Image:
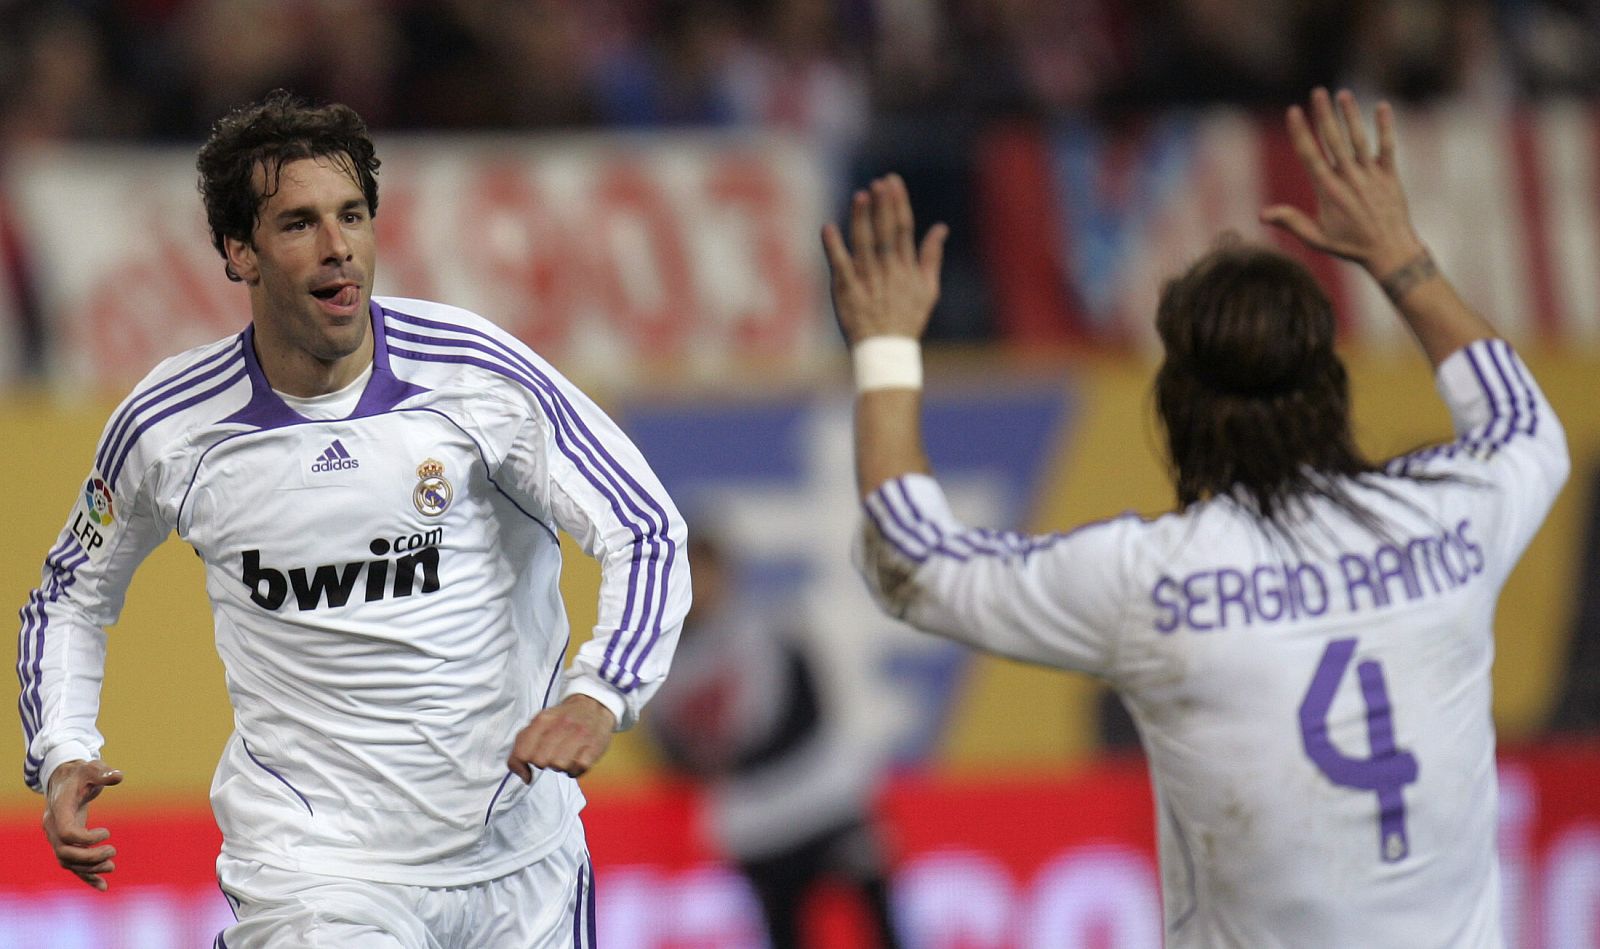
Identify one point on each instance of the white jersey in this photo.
(385, 590)
(1316, 712)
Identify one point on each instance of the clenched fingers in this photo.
(570, 738)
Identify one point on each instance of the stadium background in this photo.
(635, 189)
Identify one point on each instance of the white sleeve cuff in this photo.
(578, 684)
(60, 755)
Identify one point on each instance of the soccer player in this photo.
(1305, 642)
(375, 486)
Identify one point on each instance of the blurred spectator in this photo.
(1577, 709)
(223, 53)
(672, 70)
(55, 86)
(1423, 50)
(789, 798)
(446, 75)
(1556, 45)
(798, 74)
(92, 69)
(1253, 53)
(541, 55)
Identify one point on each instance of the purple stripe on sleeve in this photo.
(30, 641)
(564, 445)
(655, 602)
(877, 525)
(910, 538)
(976, 541)
(64, 575)
(1525, 383)
(919, 524)
(942, 542)
(574, 418)
(608, 467)
(1510, 395)
(161, 390)
(133, 437)
(593, 471)
(1494, 406)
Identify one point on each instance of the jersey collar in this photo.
(384, 390)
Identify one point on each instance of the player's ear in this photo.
(241, 264)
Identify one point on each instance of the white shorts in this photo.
(546, 905)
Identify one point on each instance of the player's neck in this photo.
(299, 373)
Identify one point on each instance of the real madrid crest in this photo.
(432, 494)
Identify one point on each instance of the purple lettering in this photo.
(1170, 587)
(1393, 565)
(1231, 588)
(1269, 594)
(1358, 574)
(1420, 551)
(1195, 599)
(1299, 589)
(1456, 566)
(1476, 552)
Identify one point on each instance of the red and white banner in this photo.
(13, 312)
(1048, 861)
(1081, 223)
(604, 253)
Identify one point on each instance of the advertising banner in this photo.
(1081, 222)
(1050, 860)
(608, 255)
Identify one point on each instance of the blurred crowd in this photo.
(164, 69)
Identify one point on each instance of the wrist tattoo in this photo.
(1400, 281)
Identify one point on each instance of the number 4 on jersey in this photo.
(1387, 770)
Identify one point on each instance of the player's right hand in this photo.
(883, 283)
(66, 818)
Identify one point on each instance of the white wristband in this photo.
(887, 362)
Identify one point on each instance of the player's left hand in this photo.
(569, 737)
(887, 286)
(1361, 213)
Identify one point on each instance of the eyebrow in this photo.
(307, 211)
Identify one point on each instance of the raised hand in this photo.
(883, 285)
(1361, 212)
(66, 818)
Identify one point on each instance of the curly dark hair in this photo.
(281, 128)
(1251, 394)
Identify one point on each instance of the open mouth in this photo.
(339, 295)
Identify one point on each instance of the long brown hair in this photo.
(1255, 402)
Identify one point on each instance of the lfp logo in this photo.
(95, 519)
(97, 497)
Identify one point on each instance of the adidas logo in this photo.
(334, 458)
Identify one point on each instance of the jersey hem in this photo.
(379, 872)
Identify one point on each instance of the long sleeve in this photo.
(62, 644)
(1508, 440)
(1056, 599)
(599, 489)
